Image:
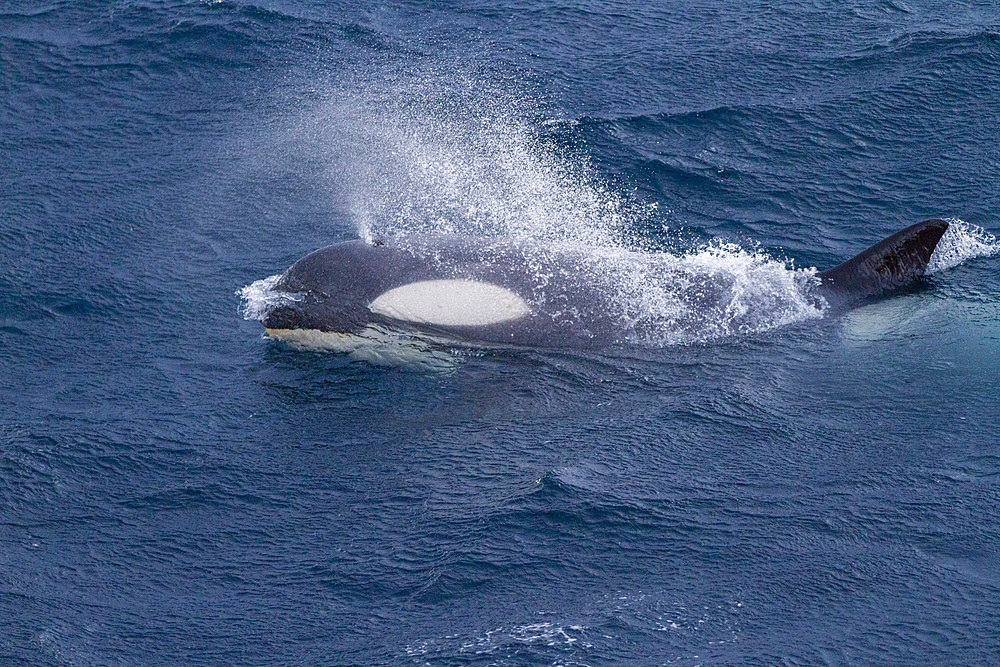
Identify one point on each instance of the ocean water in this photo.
(763, 483)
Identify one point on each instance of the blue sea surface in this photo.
(766, 483)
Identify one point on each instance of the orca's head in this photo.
(304, 310)
(287, 317)
(323, 291)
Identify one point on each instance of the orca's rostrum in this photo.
(507, 292)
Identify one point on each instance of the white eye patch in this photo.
(454, 303)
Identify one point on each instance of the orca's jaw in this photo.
(314, 312)
(286, 316)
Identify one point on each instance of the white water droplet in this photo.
(962, 241)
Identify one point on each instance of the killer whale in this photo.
(495, 292)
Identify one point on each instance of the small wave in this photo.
(962, 241)
(689, 627)
(923, 43)
(540, 640)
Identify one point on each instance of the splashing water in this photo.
(960, 242)
(260, 297)
(711, 292)
(416, 156)
(422, 157)
(717, 291)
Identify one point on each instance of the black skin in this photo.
(335, 285)
(891, 264)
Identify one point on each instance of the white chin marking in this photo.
(451, 303)
(373, 344)
(313, 339)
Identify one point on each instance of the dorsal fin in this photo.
(888, 265)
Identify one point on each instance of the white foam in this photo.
(259, 297)
(505, 639)
(711, 292)
(962, 241)
(716, 291)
